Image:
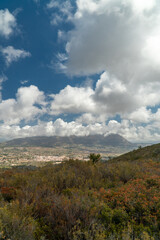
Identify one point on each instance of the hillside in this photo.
(149, 152)
(114, 140)
(114, 200)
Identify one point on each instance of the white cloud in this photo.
(58, 128)
(72, 100)
(121, 37)
(140, 6)
(89, 118)
(120, 41)
(110, 97)
(152, 49)
(62, 128)
(29, 103)
(141, 115)
(110, 35)
(13, 55)
(7, 23)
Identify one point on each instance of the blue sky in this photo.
(36, 35)
(80, 67)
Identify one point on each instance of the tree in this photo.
(94, 157)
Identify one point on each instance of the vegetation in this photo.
(94, 158)
(76, 200)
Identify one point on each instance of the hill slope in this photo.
(92, 140)
(149, 152)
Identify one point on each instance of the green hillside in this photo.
(77, 200)
(149, 152)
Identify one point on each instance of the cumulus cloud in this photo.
(61, 128)
(113, 36)
(117, 39)
(13, 55)
(120, 37)
(72, 100)
(58, 128)
(29, 103)
(110, 97)
(89, 118)
(141, 115)
(7, 23)
(120, 41)
(99, 106)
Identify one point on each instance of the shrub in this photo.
(94, 158)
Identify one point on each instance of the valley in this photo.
(39, 156)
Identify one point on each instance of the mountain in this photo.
(113, 140)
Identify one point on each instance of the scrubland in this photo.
(78, 200)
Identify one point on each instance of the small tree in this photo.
(94, 157)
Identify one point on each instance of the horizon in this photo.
(81, 67)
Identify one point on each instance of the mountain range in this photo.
(114, 140)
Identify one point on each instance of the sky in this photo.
(80, 67)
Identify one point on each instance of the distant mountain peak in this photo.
(52, 141)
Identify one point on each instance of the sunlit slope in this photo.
(149, 152)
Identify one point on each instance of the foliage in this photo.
(79, 200)
(94, 157)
